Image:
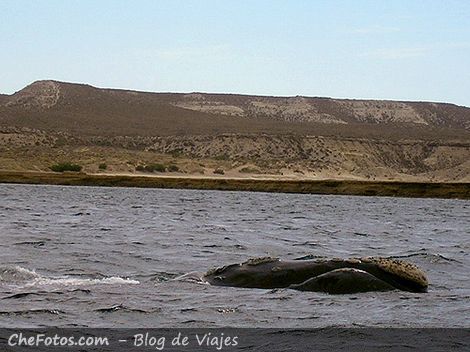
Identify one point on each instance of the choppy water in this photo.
(106, 257)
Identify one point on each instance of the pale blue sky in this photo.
(390, 49)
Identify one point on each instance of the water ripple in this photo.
(117, 257)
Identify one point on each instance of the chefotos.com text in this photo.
(18, 339)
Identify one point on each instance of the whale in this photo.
(333, 276)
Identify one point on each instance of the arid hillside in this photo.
(255, 136)
(85, 110)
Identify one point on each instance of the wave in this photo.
(159, 276)
(14, 274)
(32, 311)
(20, 295)
(432, 257)
(123, 308)
(18, 276)
(70, 281)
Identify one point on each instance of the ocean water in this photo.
(111, 257)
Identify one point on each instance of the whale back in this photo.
(268, 272)
(342, 281)
(405, 274)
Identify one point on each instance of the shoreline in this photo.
(332, 187)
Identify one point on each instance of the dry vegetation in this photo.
(299, 157)
(237, 136)
(84, 110)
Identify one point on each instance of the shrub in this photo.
(151, 168)
(249, 170)
(219, 171)
(59, 142)
(61, 167)
(224, 156)
(173, 168)
(155, 167)
(102, 166)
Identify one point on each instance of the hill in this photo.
(305, 137)
(85, 110)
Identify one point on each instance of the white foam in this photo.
(18, 276)
(71, 281)
(25, 271)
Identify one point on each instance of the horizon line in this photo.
(239, 94)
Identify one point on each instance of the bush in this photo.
(61, 167)
(249, 170)
(219, 171)
(155, 167)
(224, 156)
(151, 168)
(102, 166)
(173, 168)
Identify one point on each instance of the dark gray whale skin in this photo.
(342, 281)
(333, 276)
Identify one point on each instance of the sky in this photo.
(378, 49)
